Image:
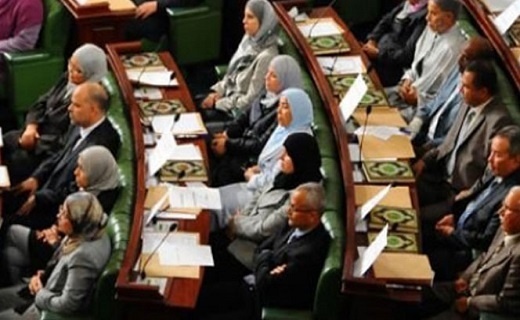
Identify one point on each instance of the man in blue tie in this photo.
(471, 222)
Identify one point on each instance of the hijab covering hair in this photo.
(302, 117)
(92, 61)
(251, 46)
(303, 150)
(86, 217)
(289, 75)
(100, 168)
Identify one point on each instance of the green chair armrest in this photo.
(186, 12)
(221, 70)
(26, 57)
(47, 315)
(285, 314)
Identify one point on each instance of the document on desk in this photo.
(363, 210)
(398, 197)
(188, 151)
(163, 150)
(189, 124)
(152, 239)
(159, 78)
(203, 198)
(148, 93)
(342, 65)
(506, 19)
(319, 28)
(186, 255)
(497, 6)
(353, 97)
(367, 258)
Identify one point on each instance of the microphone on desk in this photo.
(320, 16)
(368, 110)
(172, 228)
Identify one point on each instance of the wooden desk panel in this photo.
(368, 286)
(180, 296)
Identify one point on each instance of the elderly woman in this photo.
(244, 79)
(47, 121)
(26, 250)
(66, 285)
(294, 115)
(243, 139)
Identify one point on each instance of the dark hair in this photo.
(512, 134)
(451, 6)
(484, 75)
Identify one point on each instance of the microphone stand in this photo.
(142, 273)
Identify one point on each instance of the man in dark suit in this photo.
(472, 222)
(492, 282)
(87, 112)
(289, 263)
(461, 159)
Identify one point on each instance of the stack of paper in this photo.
(342, 64)
(403, 268)
(185, 124)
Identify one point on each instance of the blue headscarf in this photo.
(302, 118)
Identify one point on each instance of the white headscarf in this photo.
(92, 61)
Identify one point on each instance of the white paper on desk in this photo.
(155, 209)
(148, 93)
(167, 215)
(293, 12)
(195, 184)
(497, 6)
(186, 255)
(162, 124)
(161, 153)
(188, 151)
(353, 150)
(323, 27)
(361, 226)
(152, 239)
(189, 123)
(5, 182)
(153, 281)
(342, 65)
(381, 132)
(352, 98)
(506, 19)
(204, 198)
(363, 210)
(153, 78)
(367, 258)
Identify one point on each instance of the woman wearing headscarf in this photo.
(244, 78)
(26, 250)
(47, 121)
(243, 139)
(266, 213)
(66, 285)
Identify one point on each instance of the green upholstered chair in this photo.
(31, 73)
(104, 306)
(194, 33)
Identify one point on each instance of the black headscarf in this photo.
(305, 155)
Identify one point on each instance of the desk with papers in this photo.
(163, 268)
(348, 91)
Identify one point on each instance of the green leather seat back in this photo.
(55, 30)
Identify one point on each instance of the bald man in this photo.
(49, 184)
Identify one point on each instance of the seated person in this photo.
(266, 212)
(491, 282)
(294, 115)
(26, 250)
(461, 159)
(67, 283)
(435, 56)
(243, 139)
(245, 76)
(91, 127)
(151, 20)
(432, 121)
(471, 223)
(287, 265)
(47, 121)
(391, 44)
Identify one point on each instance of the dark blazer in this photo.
(57, 173)
(304, 256)
(471, 158)
(480, 228)
(498, 286)
(396, 41)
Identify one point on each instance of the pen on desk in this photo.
(181, 174)
(405, 130)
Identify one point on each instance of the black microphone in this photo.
(173, 227)
(320, 16)
(368, 110)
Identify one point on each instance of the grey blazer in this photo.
(471, 158)
(69, 287)
(498, 287)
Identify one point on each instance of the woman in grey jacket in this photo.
(66, 284)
